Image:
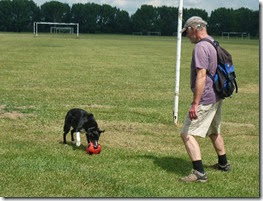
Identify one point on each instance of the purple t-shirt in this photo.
(205, 56)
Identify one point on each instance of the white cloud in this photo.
(120, 3)
(155, 3)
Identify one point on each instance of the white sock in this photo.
(78, 139)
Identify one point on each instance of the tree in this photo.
(24, 13)
(229, 20)
(107, 19)
(17, 15)
(55, 11)
(5, 15)
(123, 22)
(79, 15)
(145, 19)
(253, 27)
(93, 15)
(243, 18)
(221, 20)
(167, 20)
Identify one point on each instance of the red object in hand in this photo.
(91, 150)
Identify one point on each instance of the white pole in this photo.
(178, 59)
(78, 30)
(36, 28)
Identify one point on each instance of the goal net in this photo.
(69, 30)
(56, 27)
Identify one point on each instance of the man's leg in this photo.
(192, 147)
(197, 127)
(218, 143)
(194, 153)
(219, 146)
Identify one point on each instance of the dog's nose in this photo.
(95, 144)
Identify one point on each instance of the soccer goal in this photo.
(137, 33)
(154, 33)
(242, 35)
(56, 27)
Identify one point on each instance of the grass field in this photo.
(127, 82)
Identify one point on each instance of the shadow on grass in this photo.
(74, 147)
(171, 164)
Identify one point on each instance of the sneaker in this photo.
(195, 176)
(224, 168)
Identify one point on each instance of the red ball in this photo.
(91, 150)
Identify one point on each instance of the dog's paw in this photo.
(78, 144)
(73, 142)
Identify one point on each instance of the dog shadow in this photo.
(74, 147)
(171, 164)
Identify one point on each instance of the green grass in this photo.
(127, 82)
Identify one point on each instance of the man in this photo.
(204, 116)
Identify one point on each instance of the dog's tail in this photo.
(67, 123)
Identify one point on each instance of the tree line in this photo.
(19, 16)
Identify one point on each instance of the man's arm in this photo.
(199, 89)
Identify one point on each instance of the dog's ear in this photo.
(90, 116)
(101, 131)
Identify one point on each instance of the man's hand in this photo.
(193, 112)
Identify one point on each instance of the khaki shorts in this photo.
(207, 123)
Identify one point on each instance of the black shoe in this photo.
(224, 168)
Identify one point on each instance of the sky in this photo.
(132, 5)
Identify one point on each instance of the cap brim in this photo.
(182, 30)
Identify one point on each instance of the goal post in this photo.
(36, 25)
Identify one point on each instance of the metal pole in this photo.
(36, 28)
(78, 30)
(178, 59)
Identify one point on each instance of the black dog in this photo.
(81, 121)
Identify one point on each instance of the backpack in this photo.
(224, 80)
